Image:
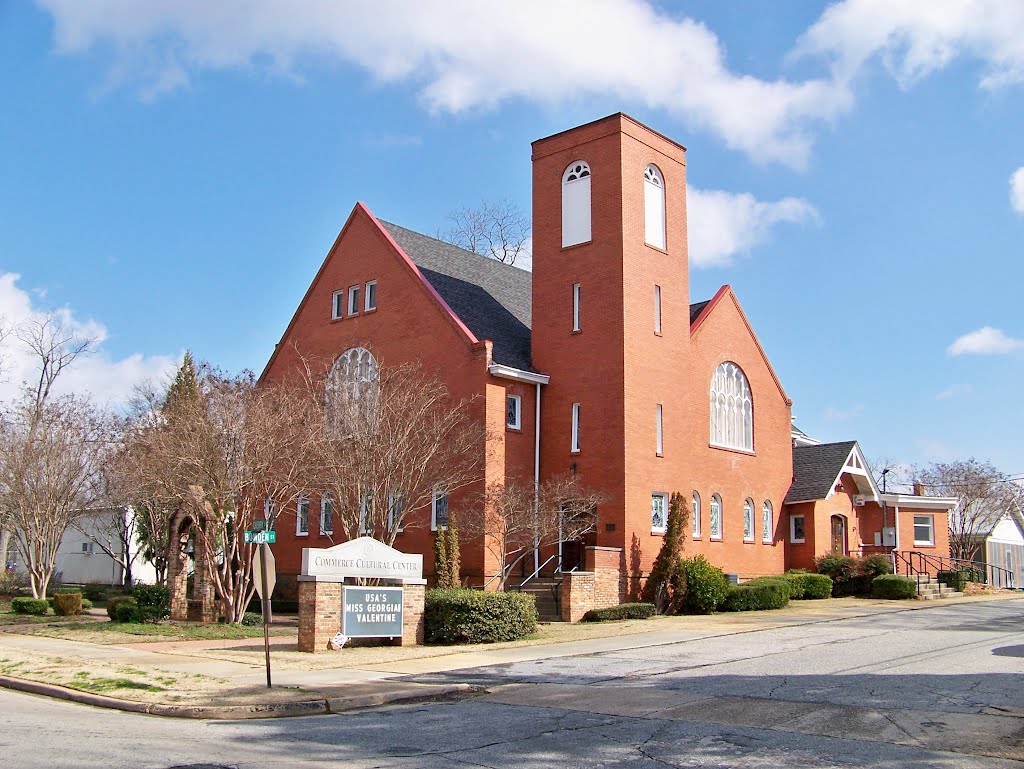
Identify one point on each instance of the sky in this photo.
(173, 172)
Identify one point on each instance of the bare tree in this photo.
(513, 518)
(50, 459)
(51, 450)
(983, 495)
(496, 229)
(390, 443)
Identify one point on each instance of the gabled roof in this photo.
(494, 300)
(697, 309)
(816, 468)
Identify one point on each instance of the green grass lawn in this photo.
(10, 618)
(136, 632)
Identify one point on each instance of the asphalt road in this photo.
(941, 687)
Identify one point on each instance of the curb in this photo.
(314, 707)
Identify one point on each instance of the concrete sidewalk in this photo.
(332, 689)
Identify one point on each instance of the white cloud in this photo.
(915, 38)
(464, 54)
(108, 380)
(1017, 190)
(834, 414)
(953, 391)
(722, 225)
(985, 341)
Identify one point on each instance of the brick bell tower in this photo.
(611, 318)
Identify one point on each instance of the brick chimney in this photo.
(919, 489)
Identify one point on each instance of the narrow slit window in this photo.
(575, 306)
(657, 309)
(696, 515)
(659, 427)
(767, 523)
(575, 428)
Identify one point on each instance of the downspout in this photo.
(896, 524)
(536, 478)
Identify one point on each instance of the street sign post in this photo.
(264, 572)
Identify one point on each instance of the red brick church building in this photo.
(599, 363)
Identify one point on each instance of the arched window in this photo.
(696, 515)
(352, 390)
(576, 204)
(716, 517)
(654, 207)
(732, 410)
(767, 523)
(748, 520)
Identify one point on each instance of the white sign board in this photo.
(363, 557)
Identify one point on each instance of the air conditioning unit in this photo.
(859, 500)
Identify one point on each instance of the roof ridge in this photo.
(472, 254)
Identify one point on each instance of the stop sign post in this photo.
(264, 571)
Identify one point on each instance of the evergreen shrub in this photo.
(152, 603)
(67, 604)
(804, 586)
(121, 609)
(757, 595)
(25, 605)
(666, 585)
(253, 619)
(876, 565)
(893, 586)
(622, 611)
(95, 591)
(957, 580)
(706, 586)
(462, 615)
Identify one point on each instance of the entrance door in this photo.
(838, 535)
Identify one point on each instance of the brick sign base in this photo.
(601, 585)
(320, 614)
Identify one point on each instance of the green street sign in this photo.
(260, 537)
(259, 524)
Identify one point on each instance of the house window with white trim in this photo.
(659, 431)
(439, 509)
(657, 309)
(338, 304)
(716, 517)
(732, 408)
(575, 432)
(654, 207)
(326, 514)
(370, 302)
(353, 300)
(575, 306)
(797, 531)
(302, 517)
(924, 530)
(748, 520)
(87, 548)
(514, 412)
(576, 204)
(767, 523)
(696, 515)
(659, 513)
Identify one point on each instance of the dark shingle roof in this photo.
(493, 299)
(696, 309)
(815, 469)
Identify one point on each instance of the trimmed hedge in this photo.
(461, 615)
(808, 587)
(852, 576)
(67, 604)
(36, 606)
(252, 619)
(95, 591)
(757, 595)
(706, 586)
(957, 580)
(622, 611)
(152, 603)
(86, 604)
(893, 586)
(121, 608)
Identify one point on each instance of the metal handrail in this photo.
(539, 568)
(927, 562)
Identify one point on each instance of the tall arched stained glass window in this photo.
(732, 409)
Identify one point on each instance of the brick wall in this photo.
(319, 614)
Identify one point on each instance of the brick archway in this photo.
(201, 606)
